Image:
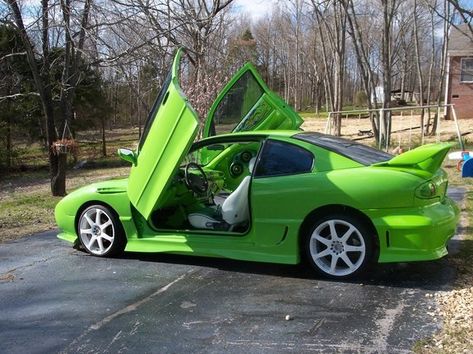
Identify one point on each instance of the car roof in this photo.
(257, 134)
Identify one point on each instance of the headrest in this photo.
(251, 164)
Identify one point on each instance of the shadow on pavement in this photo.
(430, 275)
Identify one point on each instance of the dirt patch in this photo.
(406, 131)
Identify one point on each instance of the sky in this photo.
(254, 8)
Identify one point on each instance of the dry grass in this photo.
(27, 207)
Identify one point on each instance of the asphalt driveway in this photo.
(57, 299)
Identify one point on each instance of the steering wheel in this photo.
(197, 183)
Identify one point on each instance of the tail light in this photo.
(426, 190)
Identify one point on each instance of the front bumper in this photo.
(415, 234)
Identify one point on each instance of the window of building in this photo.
(466, 70)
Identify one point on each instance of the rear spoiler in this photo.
(426, 158)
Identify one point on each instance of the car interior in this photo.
(210, 190)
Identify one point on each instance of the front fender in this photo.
(110, 193)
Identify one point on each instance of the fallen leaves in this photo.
(7, 277)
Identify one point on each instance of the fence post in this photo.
(438, 124)
(380, 120)
(327, 125)
(422, 127)
(462, 146)
(388, 128)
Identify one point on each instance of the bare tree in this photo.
(332, 25)
(41, 78)
(363, 57)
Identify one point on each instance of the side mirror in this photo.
(127, 155)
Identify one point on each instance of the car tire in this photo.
(100, 232)
(339, 246)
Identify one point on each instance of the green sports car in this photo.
(257, 188)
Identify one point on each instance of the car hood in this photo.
(105, 187)
(111, 186)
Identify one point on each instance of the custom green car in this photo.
(257, 188)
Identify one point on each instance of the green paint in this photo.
(403, 200)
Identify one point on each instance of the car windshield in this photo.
(355, 151)
(153, 113)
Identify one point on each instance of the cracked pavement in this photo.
(57, 299)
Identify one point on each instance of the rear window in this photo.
(355, 151)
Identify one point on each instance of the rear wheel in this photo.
(339, 246)
(100, 232)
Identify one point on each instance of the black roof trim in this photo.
(360, 153)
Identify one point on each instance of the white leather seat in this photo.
(235, 208)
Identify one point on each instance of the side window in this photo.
(236, 104)
(466, 70)
(279, 158)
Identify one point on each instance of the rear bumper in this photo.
(415, 234)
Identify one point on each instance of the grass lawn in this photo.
(26, 204)
(312, 115)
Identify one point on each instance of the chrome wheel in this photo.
(97, 230)
(337, 247)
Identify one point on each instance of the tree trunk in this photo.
(104, 144)
(58, 182)
(364, 64)
(385, 116)
(419, 69)
(8, 158)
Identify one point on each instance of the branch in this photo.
(12, 55)
(18, 95)
(449, 19)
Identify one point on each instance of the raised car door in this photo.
(167, 136)
(245, 104)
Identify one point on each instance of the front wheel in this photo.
(100, 232)
(339, 246)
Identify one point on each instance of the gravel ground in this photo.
(455, 307)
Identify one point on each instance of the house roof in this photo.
(460, 41)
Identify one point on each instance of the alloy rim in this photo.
(337, 247)
(97, 231)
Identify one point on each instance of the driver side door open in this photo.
(167, 136)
